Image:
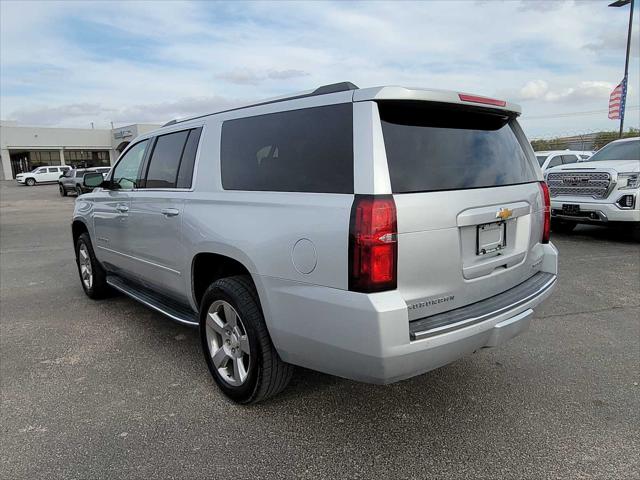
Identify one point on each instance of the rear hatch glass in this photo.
(432, 147)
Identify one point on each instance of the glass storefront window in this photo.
(87, 158)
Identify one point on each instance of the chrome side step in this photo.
(175, 311)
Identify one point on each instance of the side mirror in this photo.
(92, 180)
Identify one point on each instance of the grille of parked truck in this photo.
(374, 234)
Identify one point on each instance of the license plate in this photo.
(491, 237)
(570, 209)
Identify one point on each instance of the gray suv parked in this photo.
(373, 234)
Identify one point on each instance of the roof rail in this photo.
(323, 90)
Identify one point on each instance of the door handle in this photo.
(122, 208)
(170, 212)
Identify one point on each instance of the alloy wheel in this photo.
(228, 343)
(86, 271)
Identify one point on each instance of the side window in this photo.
(555, 161)
(569, 159)
(125, 173)
(185, 173)
(308, 150)
(172, 160)
(53, 170)
(42, 170)
(165, 160)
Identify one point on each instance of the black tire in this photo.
(63, 191)
(30, 182)
(99, 287)
(267, 374)
(78, 190)
(561, 226)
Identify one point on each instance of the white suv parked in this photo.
(41, 175)
(373, 234)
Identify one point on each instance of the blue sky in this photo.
(72, 63)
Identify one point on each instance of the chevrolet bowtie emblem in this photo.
(504, 213)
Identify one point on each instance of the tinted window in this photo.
(629, 150)
(555, 161)
(125, 173)
(79, 173)
(53, 170)
(569, 159)
(309, 150)
(431, 147)
(188, 159)
(541, 159)
(165, 160)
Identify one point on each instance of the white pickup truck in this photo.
(604, 189)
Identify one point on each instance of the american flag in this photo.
(616, 100)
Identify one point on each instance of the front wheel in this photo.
(63, 191)
(560, 226)
(30, 182)
(236, 344)
(78, 190)
(92, 275)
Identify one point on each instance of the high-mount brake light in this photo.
(546, 225)
(476, 99)
(373, 244)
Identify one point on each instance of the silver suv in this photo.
(374, 234)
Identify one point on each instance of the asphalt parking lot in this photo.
(111, 389)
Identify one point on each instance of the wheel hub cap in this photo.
(228, 343)
(86, 271)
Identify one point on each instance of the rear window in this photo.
(309, 150)
(432, 147)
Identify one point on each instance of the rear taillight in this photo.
(546, 212)
(373, 244)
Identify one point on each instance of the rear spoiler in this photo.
(439, 96)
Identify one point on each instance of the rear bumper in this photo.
(368, 338)
(597, 212)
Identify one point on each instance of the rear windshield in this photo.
(434, 147)
(629, 150)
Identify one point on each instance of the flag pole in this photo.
(626, 71)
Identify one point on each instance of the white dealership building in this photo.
(24, 148)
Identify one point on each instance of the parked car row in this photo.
(68, 178)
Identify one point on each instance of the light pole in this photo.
(622, 3)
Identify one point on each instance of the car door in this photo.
(53, 173)
(112, 222)
(156, 211)
(41, 175)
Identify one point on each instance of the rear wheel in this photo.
(78, 190)
(561, 226)
(63, 191)
(92, 275)
(236, 344)
(30, 182)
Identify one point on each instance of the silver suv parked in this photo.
(373, 234)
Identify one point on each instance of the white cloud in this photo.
(210, 55)
(584, 91)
